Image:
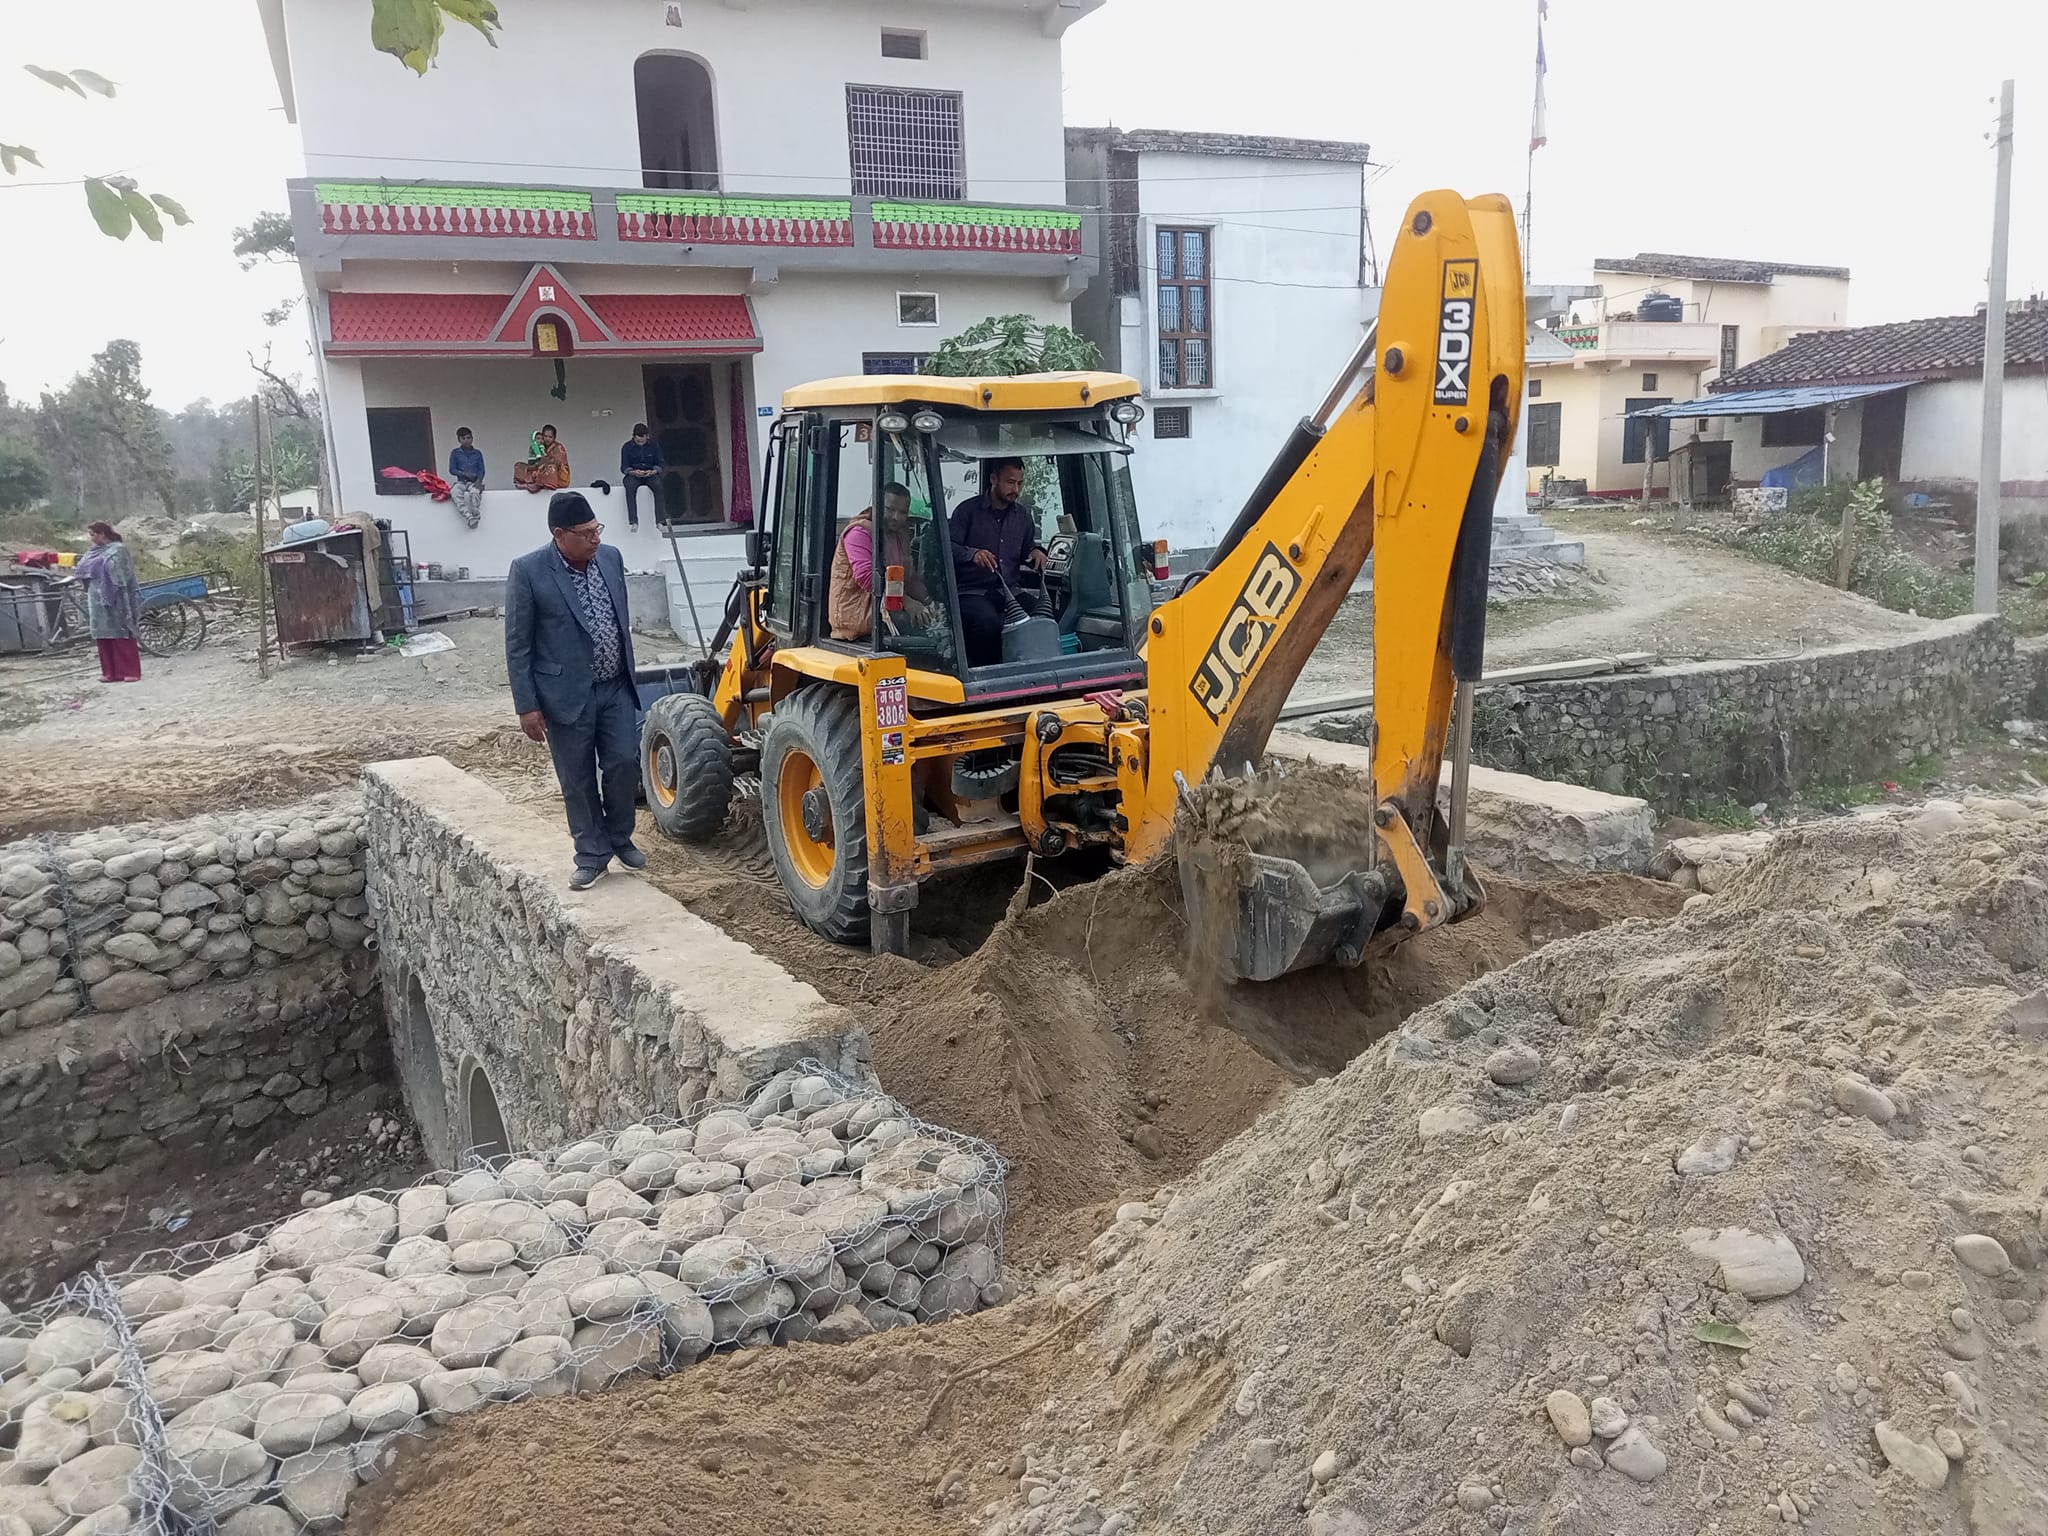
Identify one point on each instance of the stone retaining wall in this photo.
(112, 919)
(206, 1068)
(1693, 735)
(549, 1012)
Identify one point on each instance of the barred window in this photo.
(1172, 421)
(905, 143)
(1186, 349)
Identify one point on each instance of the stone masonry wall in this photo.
(195, 1071)
(580, 1009)
(112, 919)
(1692, 735)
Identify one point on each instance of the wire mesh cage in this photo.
(249, 1384)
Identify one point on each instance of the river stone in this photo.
(258, 1351)
(422, 1211)
(178, 1381)
(733, 1320)
(545, 1315)
(722, 1267)
(383, 1364)
(421, 1255)
(484, 1256)
(260, 1520)
(936, 1299)
(353, 1228)
(690, 1220)
(582, 1157)
(212, 1456)
(787, 1244)
(54, 1429)
(471, 1334)
(1634, 1457)
(449, 1392)
(314, 1487)
(113, 1419)
(626, 1245)
(1980, 1254)
(341, 1384)
(558, 1277)
(69, 1344)
(150, 1296)
(233, 1410)
(567, 1215)
(295, 1421)
(475, 1187)
(1570, 1417)
(603, 1300)
(607, 1352)
(701, 1178)
(380, 1409)
(425, 1300)
(718, 1130)
(1447, 1120)
(1753, 1264)
(572, 1187)
(526, 1227)
(1854, 1096)
(1924, 1464)
(609, 1198)
(543, 1366)
(650, 1170)
(30, 1512)
(109, 1520)
(334, 1284)
(355, 1326)
(524, 1178)
(225, 1283)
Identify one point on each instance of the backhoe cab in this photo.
(929, 718)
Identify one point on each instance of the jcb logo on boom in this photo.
(1454, 333)
(1254, 620)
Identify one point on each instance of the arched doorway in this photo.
(417, 1052)
(678, 127)
(483, 1124)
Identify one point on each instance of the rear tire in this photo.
(814, 801)
(686, 766)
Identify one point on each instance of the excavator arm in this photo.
(1400, 462)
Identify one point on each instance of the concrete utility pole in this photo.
(1991, 464)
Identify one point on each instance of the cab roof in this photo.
(1021, 392)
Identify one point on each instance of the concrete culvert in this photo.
(417, 1051)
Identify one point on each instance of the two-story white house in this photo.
(664, 211)
(1235, 281)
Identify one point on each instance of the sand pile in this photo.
(1708, 1225)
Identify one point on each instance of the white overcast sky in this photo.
(1840, 132)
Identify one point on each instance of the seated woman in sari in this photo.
(547, 470)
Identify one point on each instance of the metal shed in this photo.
(325, 590)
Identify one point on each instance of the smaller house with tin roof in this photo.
(1900, 402)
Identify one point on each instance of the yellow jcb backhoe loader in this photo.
(891, 758)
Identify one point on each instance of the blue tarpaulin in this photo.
(1767, 402)
(1804, 470)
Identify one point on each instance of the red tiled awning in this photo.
(502, 325)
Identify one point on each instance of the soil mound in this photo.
(1727, 1221)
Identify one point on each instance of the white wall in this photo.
(553, 103)
(1944, 424)
(1287, 310)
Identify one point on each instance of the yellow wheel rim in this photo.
(661, 771)
(811, 857)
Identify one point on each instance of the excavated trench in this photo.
(1076, 1035)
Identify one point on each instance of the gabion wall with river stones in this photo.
(250, 1384)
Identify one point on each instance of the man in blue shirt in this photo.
(466, 477)
(569, 657)
(994, 536)
(640, 464)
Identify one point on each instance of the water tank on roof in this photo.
(1661, 306)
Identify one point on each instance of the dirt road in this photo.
(1683, 600)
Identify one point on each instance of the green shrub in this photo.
(1807, 538)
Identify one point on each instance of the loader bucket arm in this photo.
(1391, 468)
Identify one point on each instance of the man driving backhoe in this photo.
(994, 536)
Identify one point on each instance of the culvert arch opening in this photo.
(417, 1050)
(483, 1123)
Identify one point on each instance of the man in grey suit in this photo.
(569, 650)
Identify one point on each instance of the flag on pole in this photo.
(1539, 131)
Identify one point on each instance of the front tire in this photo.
(814, 801)
(686, 766)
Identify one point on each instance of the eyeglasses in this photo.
(587, 531)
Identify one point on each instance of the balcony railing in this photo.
(430, 209)
(1675, 339)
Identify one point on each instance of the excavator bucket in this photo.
(1257, 916)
